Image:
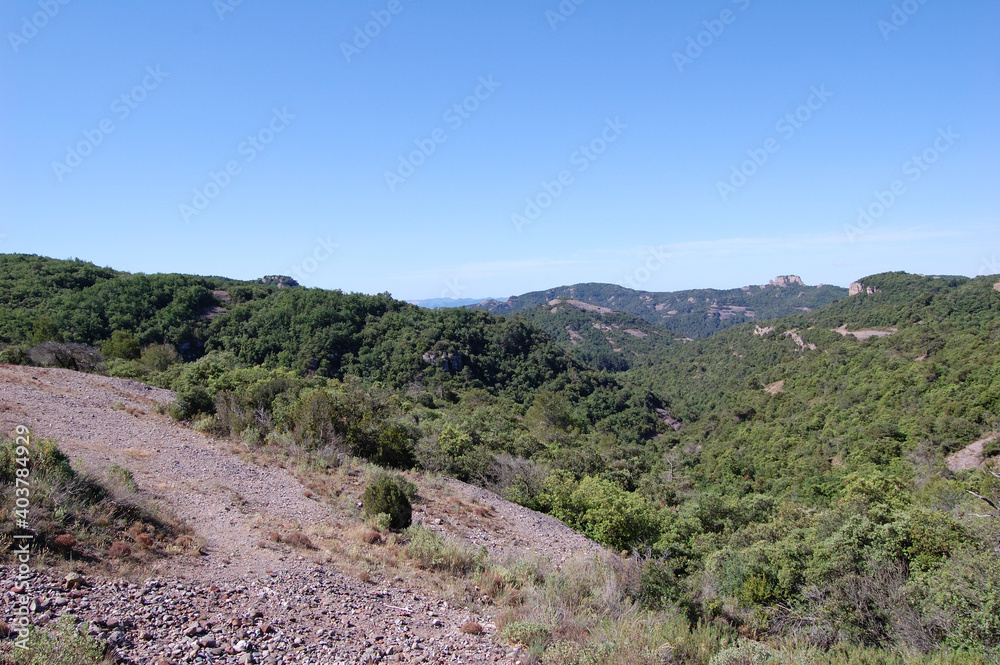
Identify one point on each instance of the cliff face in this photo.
(858, 288)
(785, 281)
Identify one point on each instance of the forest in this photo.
(786, 477)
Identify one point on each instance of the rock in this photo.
(858, 288)
(785, 281)
(279, 281)
(74, 581)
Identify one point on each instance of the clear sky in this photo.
(396, 161)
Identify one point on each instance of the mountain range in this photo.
(691, 313)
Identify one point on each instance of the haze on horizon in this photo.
(468, 151)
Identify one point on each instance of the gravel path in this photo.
(211, 490)
(199, 609)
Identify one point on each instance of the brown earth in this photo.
(232, 505)
(969, 457)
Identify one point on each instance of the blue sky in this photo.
(593, 142)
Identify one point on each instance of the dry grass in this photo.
(131, 410)
(472, 628)
(298, 539)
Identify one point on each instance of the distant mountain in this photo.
(694, 313)
(444, 303)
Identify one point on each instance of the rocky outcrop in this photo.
(665, 416)
(280, 281)
(580, 305)
(449, 362)
(862, 335)
(785, 281)
(858, 288)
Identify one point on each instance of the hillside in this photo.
(602, 338)
(692, 313)
(792, 481)
(240, 571)
(912, 365)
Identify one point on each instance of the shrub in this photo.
(386, 494)
(963, 599)
(59, 643)
(746, 652)
(64, 543)
(43, 329)
(298, 539)
(190, 403)
(433, 552)
(121, 345)
(601, 510)
(472, 628)
(121, 477)
(527, 633)
(79, 357)
(991, 448)
(119, 550)
(159, 357)
(15, 355)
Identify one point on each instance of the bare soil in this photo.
(232, 505)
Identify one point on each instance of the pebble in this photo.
(177, 622)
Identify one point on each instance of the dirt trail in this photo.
(214, 492)
(230, 504)
(969, 457)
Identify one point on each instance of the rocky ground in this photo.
(302, 616)
(241, 602)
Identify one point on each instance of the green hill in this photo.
(792, 480)
(612, 341)
(693, 313)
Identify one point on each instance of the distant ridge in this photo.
(692, 313)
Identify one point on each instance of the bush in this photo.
(122, 477)
(190, 403)
(15, 355)
(746, 652)
(121, 345)
(527, 633)
(963, 600)
(79, 357)
(386, 494)
(601, 510)
(991, 448)
(159, 357)
(433, 552)
(60, 643)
